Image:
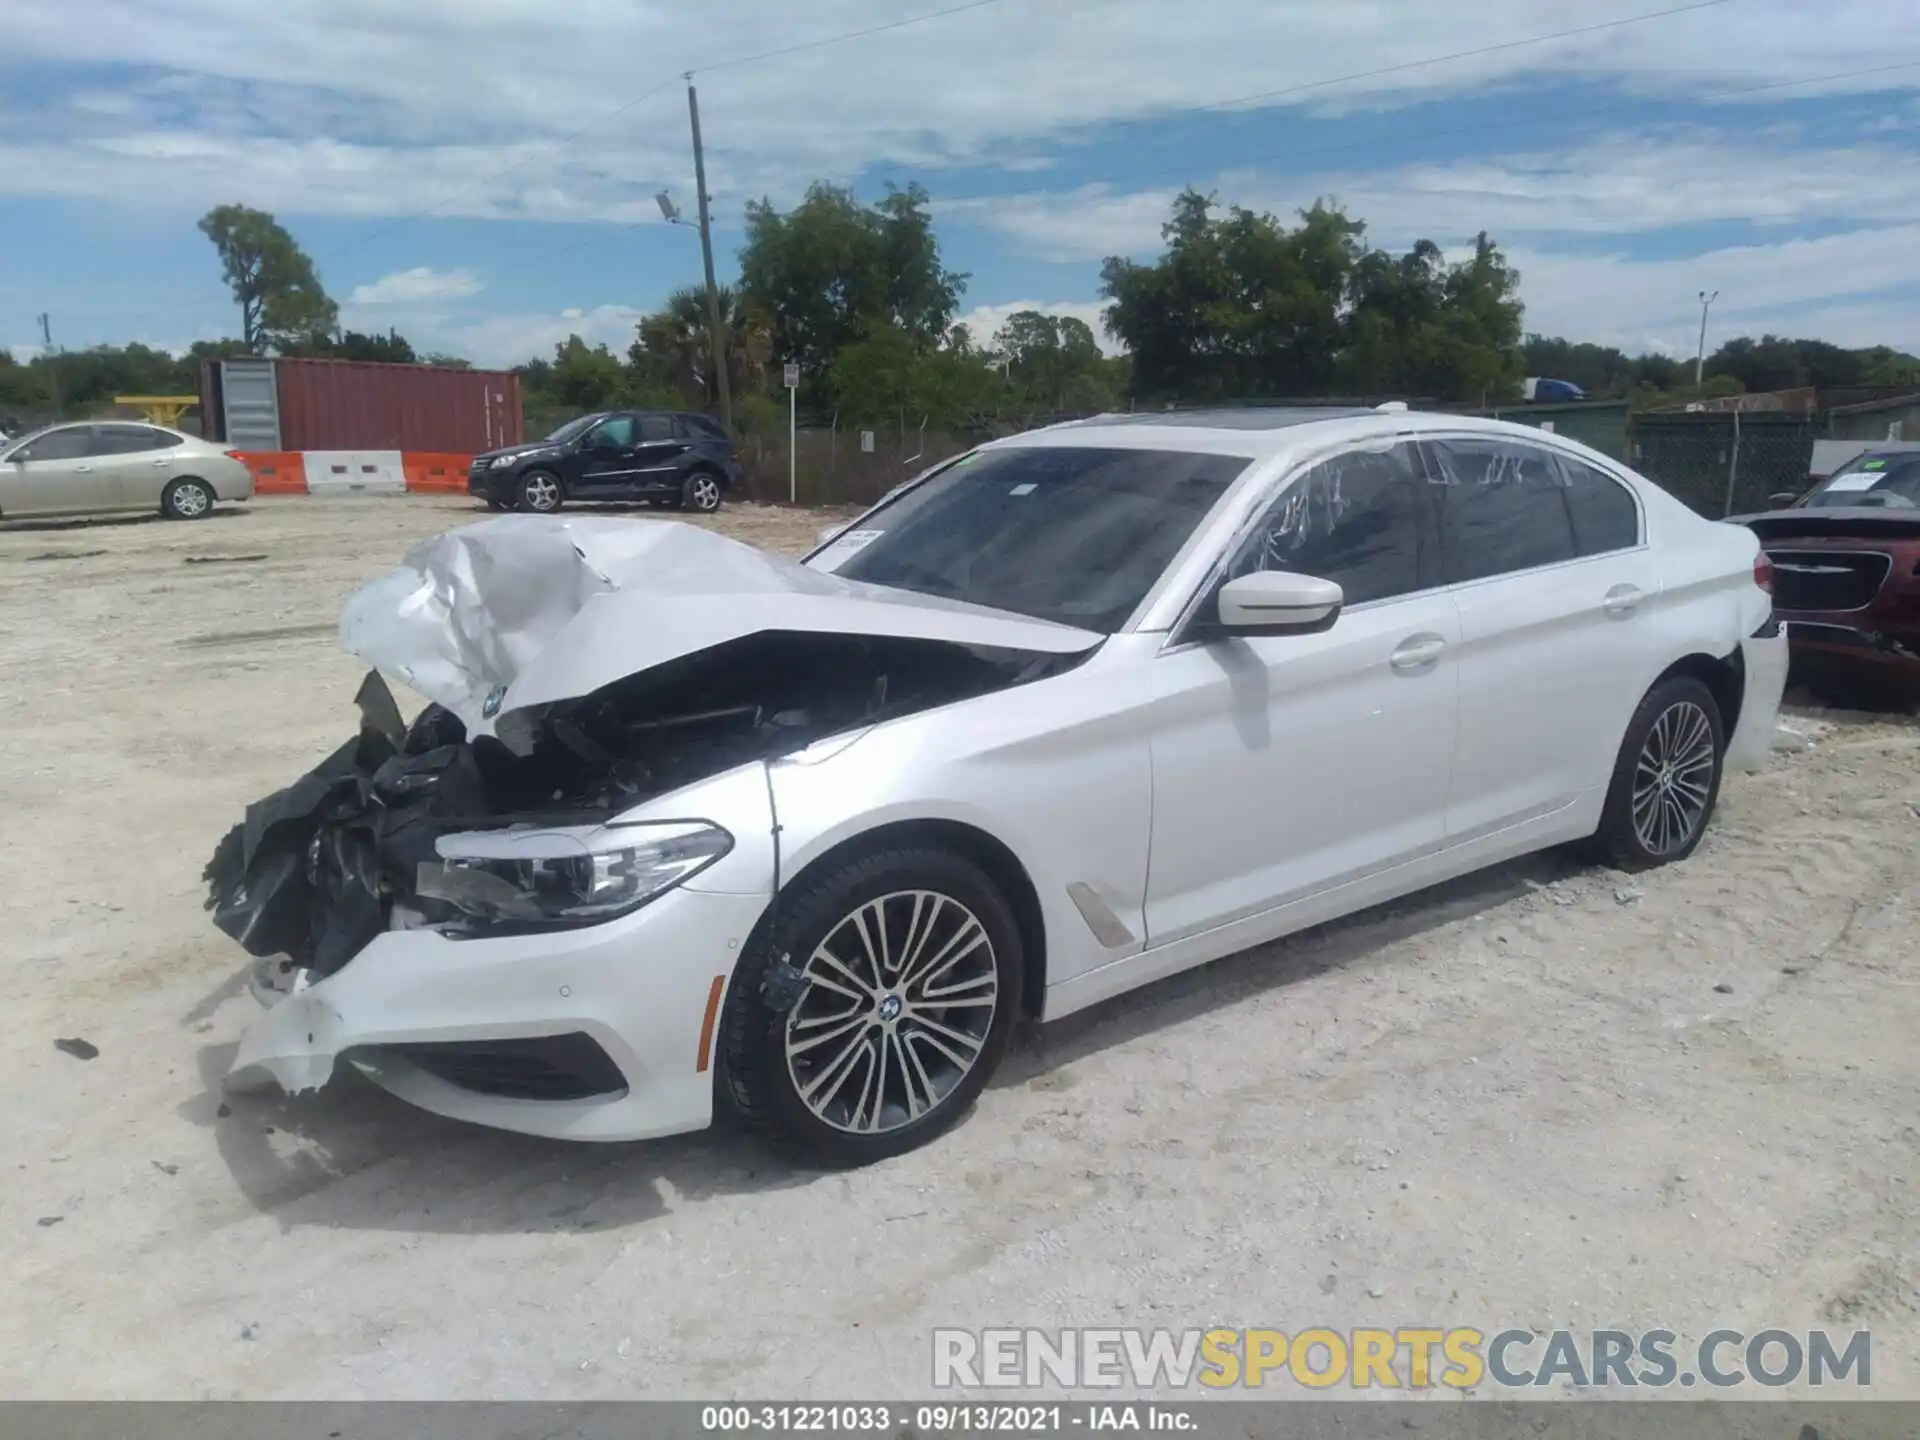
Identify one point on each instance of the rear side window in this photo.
(1605, 515)
(1506, 507)
(70, 444)
(1363, 520)
(656, 427)
(127, 439)
(704, 427)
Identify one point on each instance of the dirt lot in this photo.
(1548, 1097)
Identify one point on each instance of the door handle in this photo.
(1622, 600)
(1417, 652)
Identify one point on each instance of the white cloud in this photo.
(405, 106)
(421, 285)
(983, 320)
(507, 340)
(1618, 185)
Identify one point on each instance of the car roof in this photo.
(1260, 433)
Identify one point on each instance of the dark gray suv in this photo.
(679, 457)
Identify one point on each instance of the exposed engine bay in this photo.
(315, 871)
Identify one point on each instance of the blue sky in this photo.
(480, 173)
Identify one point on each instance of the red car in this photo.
(1846, 577)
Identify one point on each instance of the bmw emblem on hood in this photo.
(490, 707)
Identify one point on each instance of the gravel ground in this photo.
(1549, 1096)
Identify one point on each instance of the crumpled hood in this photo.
(527, 609)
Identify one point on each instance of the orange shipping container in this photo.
(360, 405)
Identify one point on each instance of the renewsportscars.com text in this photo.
(1404, 1358)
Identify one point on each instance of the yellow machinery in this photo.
(160, 409)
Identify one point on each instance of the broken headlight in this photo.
(559, 877)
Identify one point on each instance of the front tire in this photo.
(1666, 780)
(187, 499)
(539, 493)
(866, 1021)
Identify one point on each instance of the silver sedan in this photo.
(109, 465)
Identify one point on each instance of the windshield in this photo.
(1076, 536)
(1879, 481)
(575, 427)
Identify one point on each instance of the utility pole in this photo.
(1700, 357)
(53, 361)
(715, 321)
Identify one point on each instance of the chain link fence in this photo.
(1724, 464)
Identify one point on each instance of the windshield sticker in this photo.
(1026, 489)
(1860, 480)
(1874, 465)
(855, 539)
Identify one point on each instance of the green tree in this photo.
(888, 376)
(673, 351)
(831, 270)
(587, 377)
(1053, 363)
(1239, 306)
(281, 301)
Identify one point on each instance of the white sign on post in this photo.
(866, 442)
(793, 440)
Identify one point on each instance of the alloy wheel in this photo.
(190, 502)
(540, 493)
(704, 492)
(899, 1000)
(1673, 779)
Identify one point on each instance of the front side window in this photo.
(1505, 505)
(1070, 534)
(1362, 519)
(69, 444)
(616, 432)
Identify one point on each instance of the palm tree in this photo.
(676, 336)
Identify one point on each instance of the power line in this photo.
(553, 147)
(1533, 120)
(1474, 53)
(854, 35)
(1301, 88)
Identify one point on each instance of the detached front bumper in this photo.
(426, 1017)
(1764, 656)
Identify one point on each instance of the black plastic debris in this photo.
(223, 559)
(307, 874)
(79, 1049)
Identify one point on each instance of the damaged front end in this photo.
(520, 820)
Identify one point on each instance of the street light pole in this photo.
(715, 322)
(1700, 356)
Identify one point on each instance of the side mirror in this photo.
(1781, 499)
(1275, 602)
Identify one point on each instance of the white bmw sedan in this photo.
(690, 827)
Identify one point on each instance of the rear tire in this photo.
(187, 499)
(864, 1003)
(539, 493)
(702, 492)
(1666, 780)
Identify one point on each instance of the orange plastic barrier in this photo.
(275, 472)
(431, 473)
